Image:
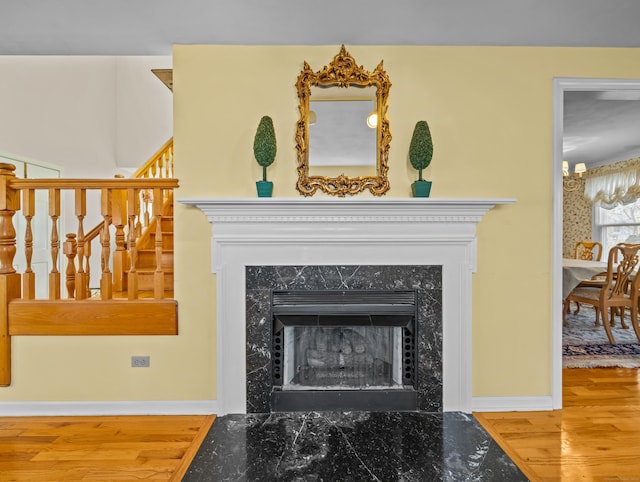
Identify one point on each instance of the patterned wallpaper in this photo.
(576, 222)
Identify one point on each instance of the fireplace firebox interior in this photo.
(353, 350)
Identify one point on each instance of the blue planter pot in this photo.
(265, 188)
(421, 188)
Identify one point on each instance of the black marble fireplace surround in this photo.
(424, 445)
(252, 240)
(425, 280)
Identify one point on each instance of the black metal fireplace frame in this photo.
(325, 308)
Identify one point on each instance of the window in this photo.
(618, 225)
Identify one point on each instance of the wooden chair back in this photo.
(588, 250)
(621, 265)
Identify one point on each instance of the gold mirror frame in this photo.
(343, 71)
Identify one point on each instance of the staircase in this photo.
(136, 227)
(145, 264)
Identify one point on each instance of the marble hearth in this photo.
(343, 232)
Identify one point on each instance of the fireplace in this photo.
(343, 350)
(343, 337)
(321, 232)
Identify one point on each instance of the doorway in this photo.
(560, 87)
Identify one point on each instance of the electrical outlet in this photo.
(140, 361)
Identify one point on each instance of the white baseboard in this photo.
(511, 404)
(172, 407)
(208, 407)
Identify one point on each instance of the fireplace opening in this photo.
(343, 350)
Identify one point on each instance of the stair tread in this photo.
(152, 269)
(145, 294)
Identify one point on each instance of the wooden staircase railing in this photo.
(159, 166)
(126, 205)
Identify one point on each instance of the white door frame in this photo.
(560, 86)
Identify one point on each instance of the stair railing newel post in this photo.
(9, 279)
(54, 214)
(106, 282)
(28, 211)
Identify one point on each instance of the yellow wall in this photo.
(490, 114)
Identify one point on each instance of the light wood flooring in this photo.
(150, 448)
(595, 437)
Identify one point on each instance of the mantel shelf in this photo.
(346, 210)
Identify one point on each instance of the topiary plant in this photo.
(421, 148)
(264, 145)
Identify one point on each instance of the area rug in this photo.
(585, 345)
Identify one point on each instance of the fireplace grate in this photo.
(348, 317)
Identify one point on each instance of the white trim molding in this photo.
(338, 231)
(106, 408)
(560, 86)
(511, 404)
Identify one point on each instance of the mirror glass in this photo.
(342, 135)
(342, 129)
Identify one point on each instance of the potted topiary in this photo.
(264, 150)
(420, 154)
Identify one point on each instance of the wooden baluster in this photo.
(69, 248)
(133, 211)
(141, 215)
(54, 214)
(147, 200)
(158, 275)
(87, 265)
(28, 277)
(9, 279)
(106, 282)
(170, 171)
(119, 220)
(81, 275)
(162, 164)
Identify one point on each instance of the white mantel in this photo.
(338, 231)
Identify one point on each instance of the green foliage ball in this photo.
(421, 148)
(264, 143)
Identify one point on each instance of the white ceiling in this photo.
(601, 127)
(151, 27)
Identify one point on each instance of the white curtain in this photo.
(614, 189)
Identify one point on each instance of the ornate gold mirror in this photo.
(342, 136)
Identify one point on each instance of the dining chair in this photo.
(588, 250)
(619, 291)
(598, 281)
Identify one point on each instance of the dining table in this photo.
(576, 270)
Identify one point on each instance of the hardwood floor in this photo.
(595, 437)
(150, 448)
